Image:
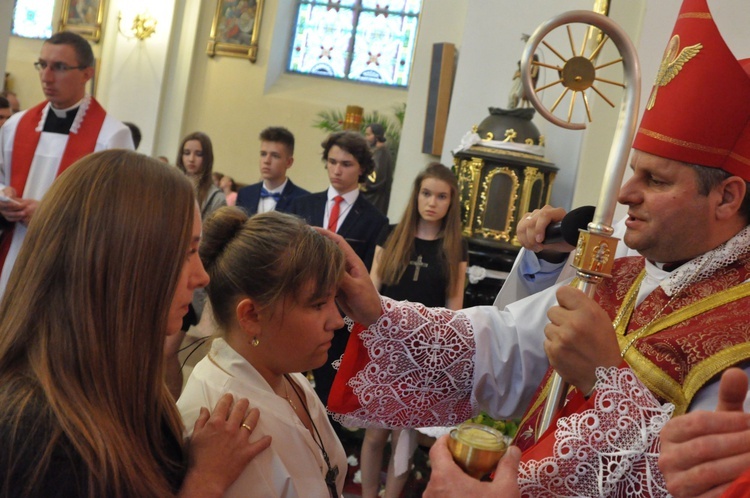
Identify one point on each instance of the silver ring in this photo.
(528, 216)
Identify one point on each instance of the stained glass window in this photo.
(361, 40)
(33, 18)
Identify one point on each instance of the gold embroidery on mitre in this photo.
(671, 65)
(683, 143)
(695, 15)
(742, 159)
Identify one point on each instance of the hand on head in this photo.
(448, 480)
(703, 452)
(357, 296)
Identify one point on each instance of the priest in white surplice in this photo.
(38, 144)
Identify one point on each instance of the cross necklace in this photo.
(419, 265)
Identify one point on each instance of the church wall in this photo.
(442, 21)
(487, 61)
(24, 79)
(20, 56)
(490, 52)
(233, 100)
(6, 15)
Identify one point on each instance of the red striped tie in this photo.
(333, 219)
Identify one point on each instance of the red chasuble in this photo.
(740, 488)
(676, 345)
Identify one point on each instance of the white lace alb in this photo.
(421, 369)
(609, 450)
(421, 374)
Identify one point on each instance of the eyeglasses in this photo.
(57, 67)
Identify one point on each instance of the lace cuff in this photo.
(609, 450)
(413, 368)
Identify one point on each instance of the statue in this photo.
(517, 95)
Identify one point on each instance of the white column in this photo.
(133, 74)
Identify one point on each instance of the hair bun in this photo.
(219, 230)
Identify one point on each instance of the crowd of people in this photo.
(108, 257)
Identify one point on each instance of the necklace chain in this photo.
(645, 327)
(332, 472)
(286, 394)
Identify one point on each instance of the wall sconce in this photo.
(144, 25)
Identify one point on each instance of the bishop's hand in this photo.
(579, 338)
(357, 296)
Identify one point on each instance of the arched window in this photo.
(358, 40)
(33, 18)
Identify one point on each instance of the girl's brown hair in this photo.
(206, 176)
(400, 243)
(84, 320)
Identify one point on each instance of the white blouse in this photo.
(293, 466)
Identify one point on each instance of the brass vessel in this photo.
(476, 448)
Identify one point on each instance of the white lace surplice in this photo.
(421, 373)
(611, 449)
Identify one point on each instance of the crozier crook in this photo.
(594, 254)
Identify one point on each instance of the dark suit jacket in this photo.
(249, 197)
(360, 228)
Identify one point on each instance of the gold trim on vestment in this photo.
(621, 321)
(695, 15)
(653, 377)
(538, 401)
(658, 381)
(683, 143)
(712, 366)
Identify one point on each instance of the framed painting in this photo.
(235, 29)
(83, 17)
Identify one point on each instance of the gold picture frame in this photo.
(235, 29)
(84, 17)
